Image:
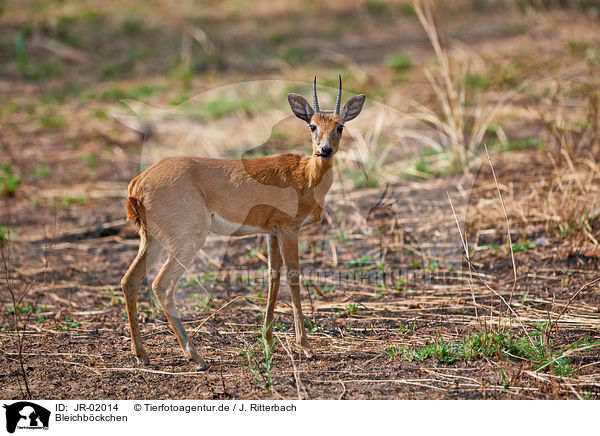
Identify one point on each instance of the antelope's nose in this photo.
(326, 150)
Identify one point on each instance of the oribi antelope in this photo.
(178, 200)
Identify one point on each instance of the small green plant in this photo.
(68, 324)
(100, 114)
(400, 284)
(47, 70)
(52, 122)
(26, 308)
(132, 25)
(143, 91)
(577, 47)
(530, 143)
(278, 327)
(434, 265)
(349, 310)
(506, 76)
(152, 310)
(68, 201)
(326, 289)
(422, 166)
(190, 282)
(524, 246)
(91, 159)
(395, 352)
(363, 261)
(114, 299)
(202, 302)
(399, 62)
(342, 237)
(9, 182)
(312, 327)
(260, 362)
(21, 48)
(222, 107)
(566, 228)
(505, 382)
(6, 233)
(377, 7)
(41, 172)
(295, 55)
(477, 82)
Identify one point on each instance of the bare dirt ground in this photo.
(410, 317)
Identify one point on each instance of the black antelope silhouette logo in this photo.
(26, 415)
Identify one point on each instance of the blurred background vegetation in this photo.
(459, 73)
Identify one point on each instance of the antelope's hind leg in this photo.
(183, 243)
(148, 253)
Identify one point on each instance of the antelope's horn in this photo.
(338, 100)
(315, 99)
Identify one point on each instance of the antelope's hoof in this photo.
(202, 366)
(142, 359)
(310, 354)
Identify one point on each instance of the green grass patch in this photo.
(506, 77)
(68, 201)
(91, 159)
(222, 107)
(524, 246)
(477, 82)
(68, 324)
(6, 233)
(100, 114)
(9, 182)
(279, 38)
(52, 122)
(399, 62)
(41, 172)
(349, 310)
(377, 7)
(295, 55)
(26, 308)
(530, 143)
(481, 345)
(260, 361)
(144, 91)
(365, 260)
(21, 51)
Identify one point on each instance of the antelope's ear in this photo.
(300, 107)
(352, 108)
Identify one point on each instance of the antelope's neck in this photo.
(316, 168)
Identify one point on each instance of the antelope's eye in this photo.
(340, 128)
(313, 127)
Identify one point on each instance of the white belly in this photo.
(221, 226)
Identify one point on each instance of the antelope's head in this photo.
(326, 126)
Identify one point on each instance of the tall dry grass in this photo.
(462, 123)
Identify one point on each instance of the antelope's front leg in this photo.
(274, 276)
(288, 243)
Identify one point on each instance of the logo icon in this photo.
(26, 415)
